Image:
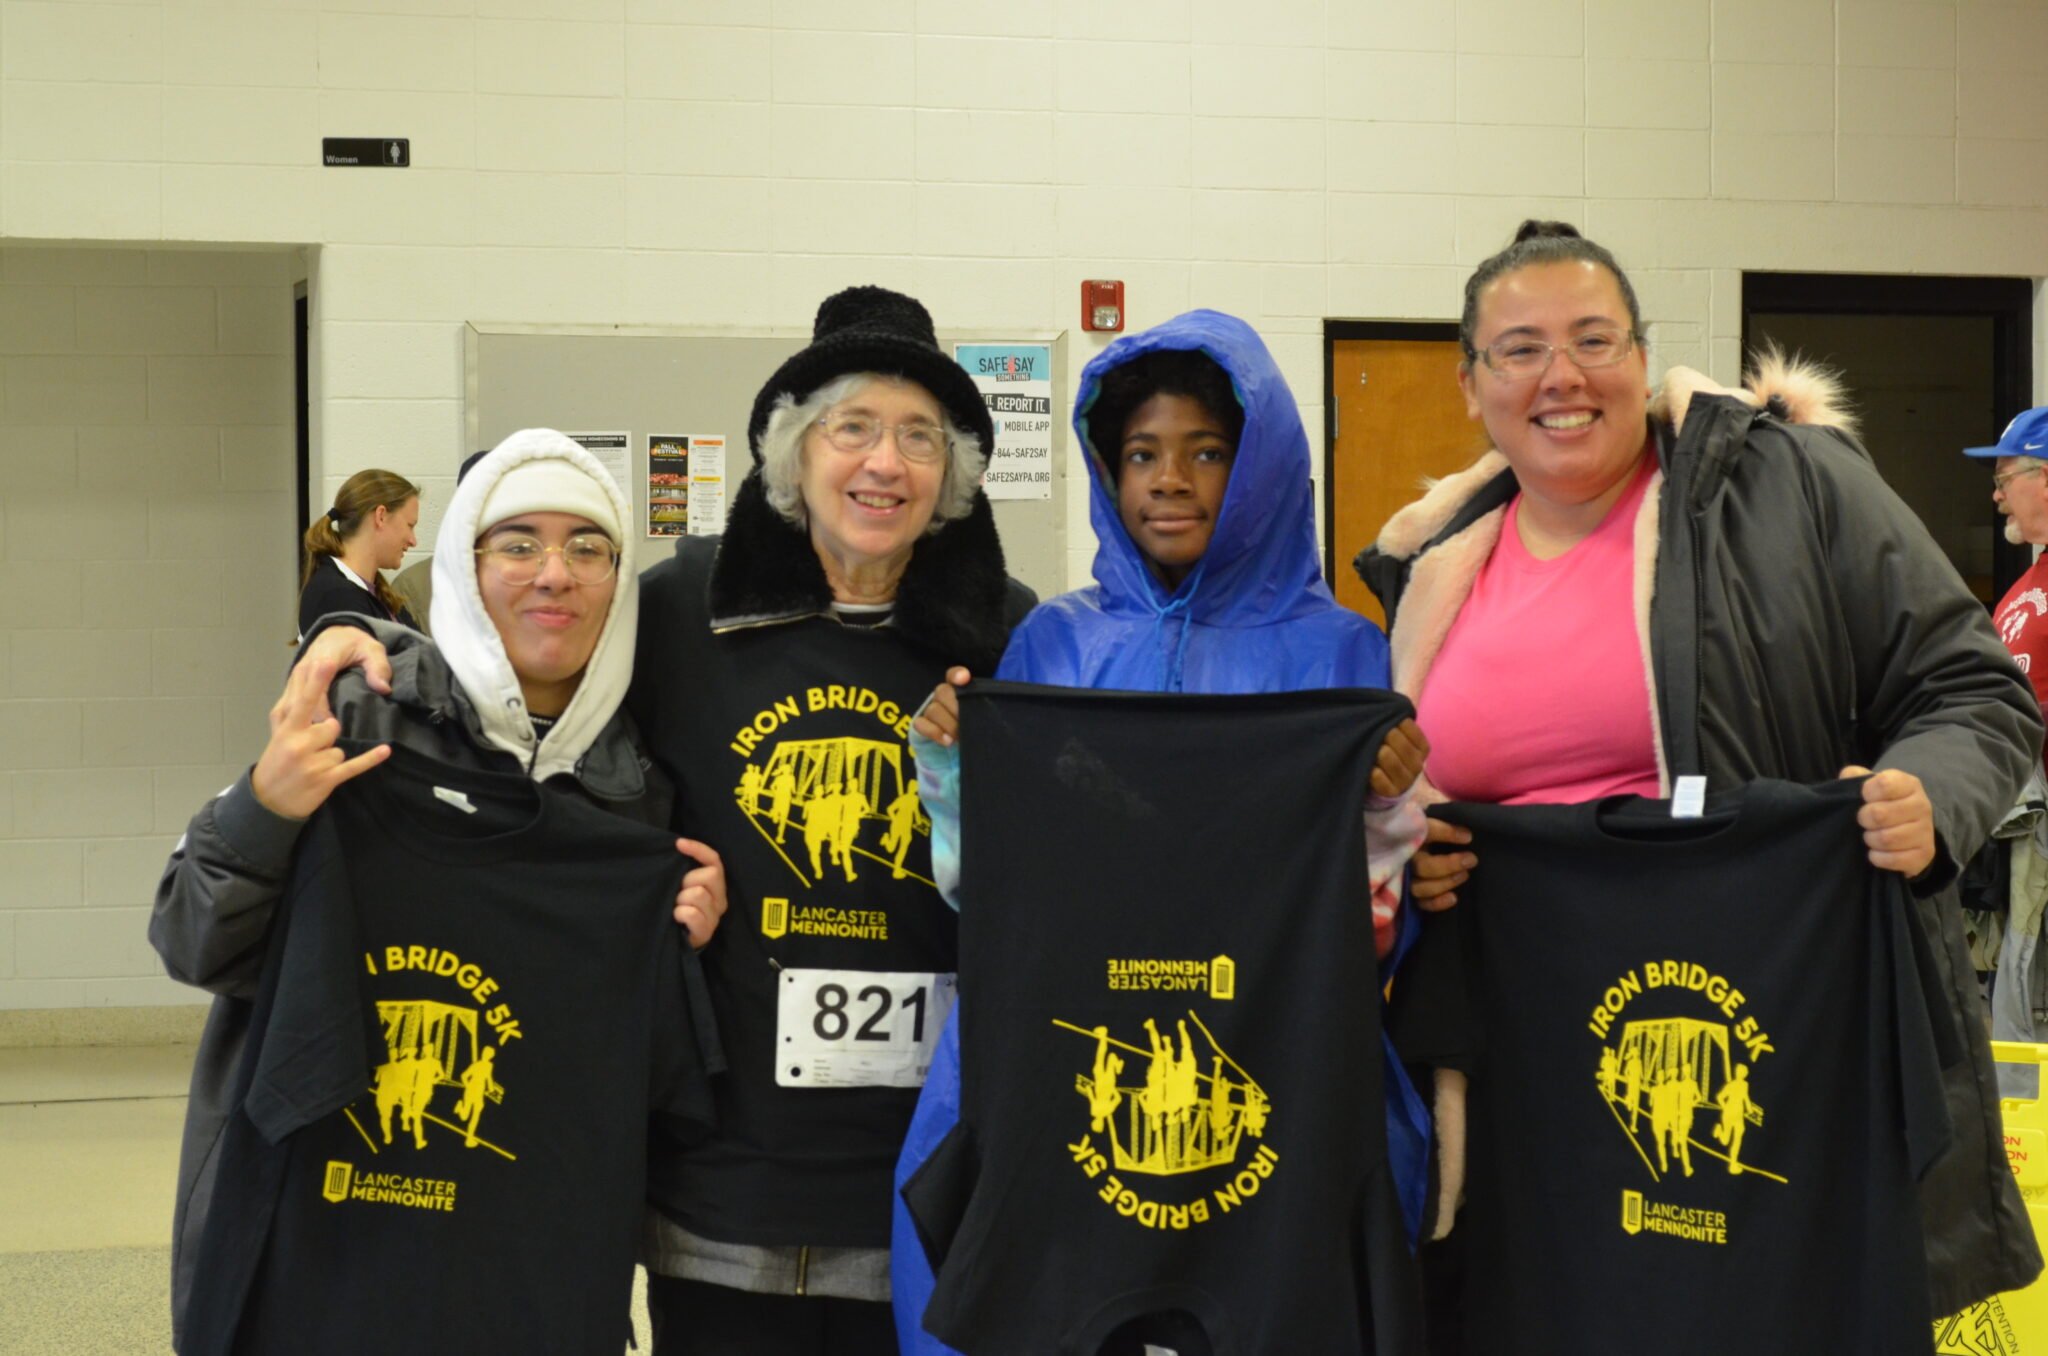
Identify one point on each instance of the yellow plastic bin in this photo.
(2017, 1321)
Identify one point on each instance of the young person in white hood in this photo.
(535, 607)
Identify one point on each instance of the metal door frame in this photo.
(2008, 302)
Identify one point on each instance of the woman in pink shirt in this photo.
(1632, 588)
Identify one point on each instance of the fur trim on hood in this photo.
(1793, 388)
(470, 643)
(1410, 529)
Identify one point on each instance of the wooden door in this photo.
(1399, 418)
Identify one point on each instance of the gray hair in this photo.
(782, 450)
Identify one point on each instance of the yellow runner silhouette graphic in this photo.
(1173, 1125)
(426, 1043)
(1665, 1072)
(829, 789)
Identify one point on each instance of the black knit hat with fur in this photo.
(871, 329)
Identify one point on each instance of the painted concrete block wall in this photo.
(146, 589)
(730, 162)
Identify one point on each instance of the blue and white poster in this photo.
(1016, 383)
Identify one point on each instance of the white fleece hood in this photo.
(469, 642)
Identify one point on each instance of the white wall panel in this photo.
(729, 163)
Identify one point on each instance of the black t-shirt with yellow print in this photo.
(474, 1002)
(833, 972)
(1172, 1128)
(1707, 1077)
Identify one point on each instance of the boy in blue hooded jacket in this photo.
(1206, 581)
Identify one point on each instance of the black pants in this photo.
(693, 1318)
(1443, 1291)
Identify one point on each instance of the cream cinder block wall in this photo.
(730, 162)
(146, 589)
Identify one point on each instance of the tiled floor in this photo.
(88, 1168)
(88, 1165)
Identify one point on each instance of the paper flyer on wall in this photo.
(615, 451)
(707, 484)
(668, 484)
(685, 484)
(1015, 381)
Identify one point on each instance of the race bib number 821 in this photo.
(858, 1028)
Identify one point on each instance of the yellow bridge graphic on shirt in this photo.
(429, 1046)
(814, 798)
(1663, 1072)
(1179, 1118)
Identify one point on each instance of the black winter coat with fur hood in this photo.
(1796, 618)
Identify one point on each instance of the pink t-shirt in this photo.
(1538, 695)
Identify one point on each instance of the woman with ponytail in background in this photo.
(369, 529)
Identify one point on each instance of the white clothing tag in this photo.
(858, 1028)
(455, 798)
(1151, 1350)
(1689, 797)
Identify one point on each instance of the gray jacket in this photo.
(222, 884)
(1796, 618)
(2019, 996)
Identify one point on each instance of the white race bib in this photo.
(858, 1028)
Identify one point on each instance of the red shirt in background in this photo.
(2022, 621)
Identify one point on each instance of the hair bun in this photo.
(1533, 229)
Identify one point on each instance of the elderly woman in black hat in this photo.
(778, 669)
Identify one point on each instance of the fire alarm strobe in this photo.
(1102, 304)
(388, 152)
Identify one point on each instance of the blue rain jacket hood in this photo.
(1254, 615)
(1259, 575)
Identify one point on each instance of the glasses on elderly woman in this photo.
(1999, 481)
(518, 559)
(1521, 357)
(855, 432)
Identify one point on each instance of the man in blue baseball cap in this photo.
(2020, 489)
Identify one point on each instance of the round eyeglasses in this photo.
(1999, 481)
(915, 441)
(1521, 358)
(518, 559)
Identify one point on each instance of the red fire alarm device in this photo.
(1102, 304)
